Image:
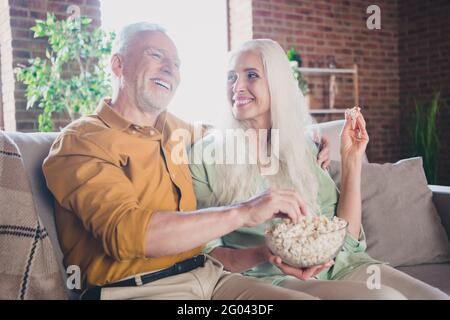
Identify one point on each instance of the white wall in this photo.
(199, 29)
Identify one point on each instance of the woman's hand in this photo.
(323, 157)
(302, 274)
(354, 139)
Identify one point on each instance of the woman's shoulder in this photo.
(207, 146)
(213, 136)
(203, 155)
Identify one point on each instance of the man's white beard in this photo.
(152, 102)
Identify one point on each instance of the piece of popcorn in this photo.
(353, 113)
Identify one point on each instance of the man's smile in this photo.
(162, 83)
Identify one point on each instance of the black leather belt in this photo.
(178, 268)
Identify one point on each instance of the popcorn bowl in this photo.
(313, 241)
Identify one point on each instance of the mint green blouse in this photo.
(350, 257)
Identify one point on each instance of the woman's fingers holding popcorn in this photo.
(359, 123)
(361, 127)
(354, 137)
(351, 116)
(361, 118)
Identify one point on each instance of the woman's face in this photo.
(248, 90)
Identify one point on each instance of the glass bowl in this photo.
(313, 241)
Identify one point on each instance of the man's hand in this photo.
(273, 204)
(323, 157)
(302, 274)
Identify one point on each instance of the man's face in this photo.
(151, 70)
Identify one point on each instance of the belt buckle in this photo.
(138, 281)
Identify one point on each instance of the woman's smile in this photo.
(240, 102)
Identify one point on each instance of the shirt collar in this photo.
(161, 122)
(114, 120)
(110, 117)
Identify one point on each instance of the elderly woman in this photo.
(263, 96)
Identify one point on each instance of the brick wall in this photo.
(17, 45)
(424, 49)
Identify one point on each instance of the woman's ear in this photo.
(117, 65)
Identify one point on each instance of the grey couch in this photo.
(34, 148)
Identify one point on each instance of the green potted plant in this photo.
(296, 63)
(73, 75)
(425, 142)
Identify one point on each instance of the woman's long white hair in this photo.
(290, 116)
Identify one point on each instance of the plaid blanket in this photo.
(28, 266)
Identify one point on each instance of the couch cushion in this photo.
(34, 148)
(436, 274)
(398, 215)
(441, 199)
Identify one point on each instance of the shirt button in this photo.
(152, 132)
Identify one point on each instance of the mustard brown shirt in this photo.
(108, 177)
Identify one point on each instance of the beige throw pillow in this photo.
(399, 218)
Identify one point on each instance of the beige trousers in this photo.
(394, 285)
(207, 282)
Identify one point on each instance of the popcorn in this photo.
(313, 241)
(353, 113)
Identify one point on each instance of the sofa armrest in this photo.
(441, 199)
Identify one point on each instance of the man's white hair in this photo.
(124, 40)
(127, 33)
(290, 116)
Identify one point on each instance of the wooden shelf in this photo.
(326, 70)
(331, 72)
(326, 111)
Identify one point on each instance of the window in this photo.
(199, 30)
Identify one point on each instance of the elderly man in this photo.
(125, 212)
